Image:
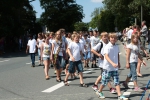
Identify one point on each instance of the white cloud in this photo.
(95, 1)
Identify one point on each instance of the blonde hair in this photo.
(74, 32)
(134, 36)
(60, 39)
(112, 35)
(74, 35)
(61, 30)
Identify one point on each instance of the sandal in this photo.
(47, 78)
(58, 80)
(66, 83)
(83, 85)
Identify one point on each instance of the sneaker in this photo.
(112, 90)
(125, 85)
(137, 89)
(122, 98)
(100, 95)
(95, 87)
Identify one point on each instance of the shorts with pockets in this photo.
(77, 64)
(106, 75)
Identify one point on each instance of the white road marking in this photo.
(31, 62)
(55, 87)
(86, 72)
(128, 92)
(4, 60)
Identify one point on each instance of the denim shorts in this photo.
(60, 63)
(87, 55)
(46, 58)
(93, 57)
(106, 75)
(133, 73)
(77, 64)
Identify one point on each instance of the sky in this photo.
(88, 7)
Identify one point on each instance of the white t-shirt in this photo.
(46, 50)
(68, 40)
(57, 45)
(32, 45)
(75, 49)
(134, 52)
(82, 44)
(40, 41)
(129, 34)
(87, 45)
(94, 41)
(112, 51)
(97, 48)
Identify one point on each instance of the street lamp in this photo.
(141, 12)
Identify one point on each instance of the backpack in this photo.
(100, 47)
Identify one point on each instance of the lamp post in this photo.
(141, 12)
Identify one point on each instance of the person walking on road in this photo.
(45, 55)
(143, 36)
(99, 50)
(58, 46)
(75, 53)
(31, 46)
(110, 66)
(131, 62)
(39, 43)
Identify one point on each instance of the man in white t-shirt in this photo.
(129, 34)
(94, 41)
(31, 46)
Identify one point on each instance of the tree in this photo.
(61, 14)
(103, 19)
(80, 26)
(120, 9)
(16, 17)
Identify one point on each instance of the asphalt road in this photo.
(19, 81)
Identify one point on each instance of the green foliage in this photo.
(16, 17)
(80, 26)
(61, 14)
(104, 21)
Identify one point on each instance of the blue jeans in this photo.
(60, 62)
(74, 64)
(133, 73)
(87, 55)
(32, 55)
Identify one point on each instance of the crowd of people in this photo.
(67, 51)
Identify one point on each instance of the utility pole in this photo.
(141, 12)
